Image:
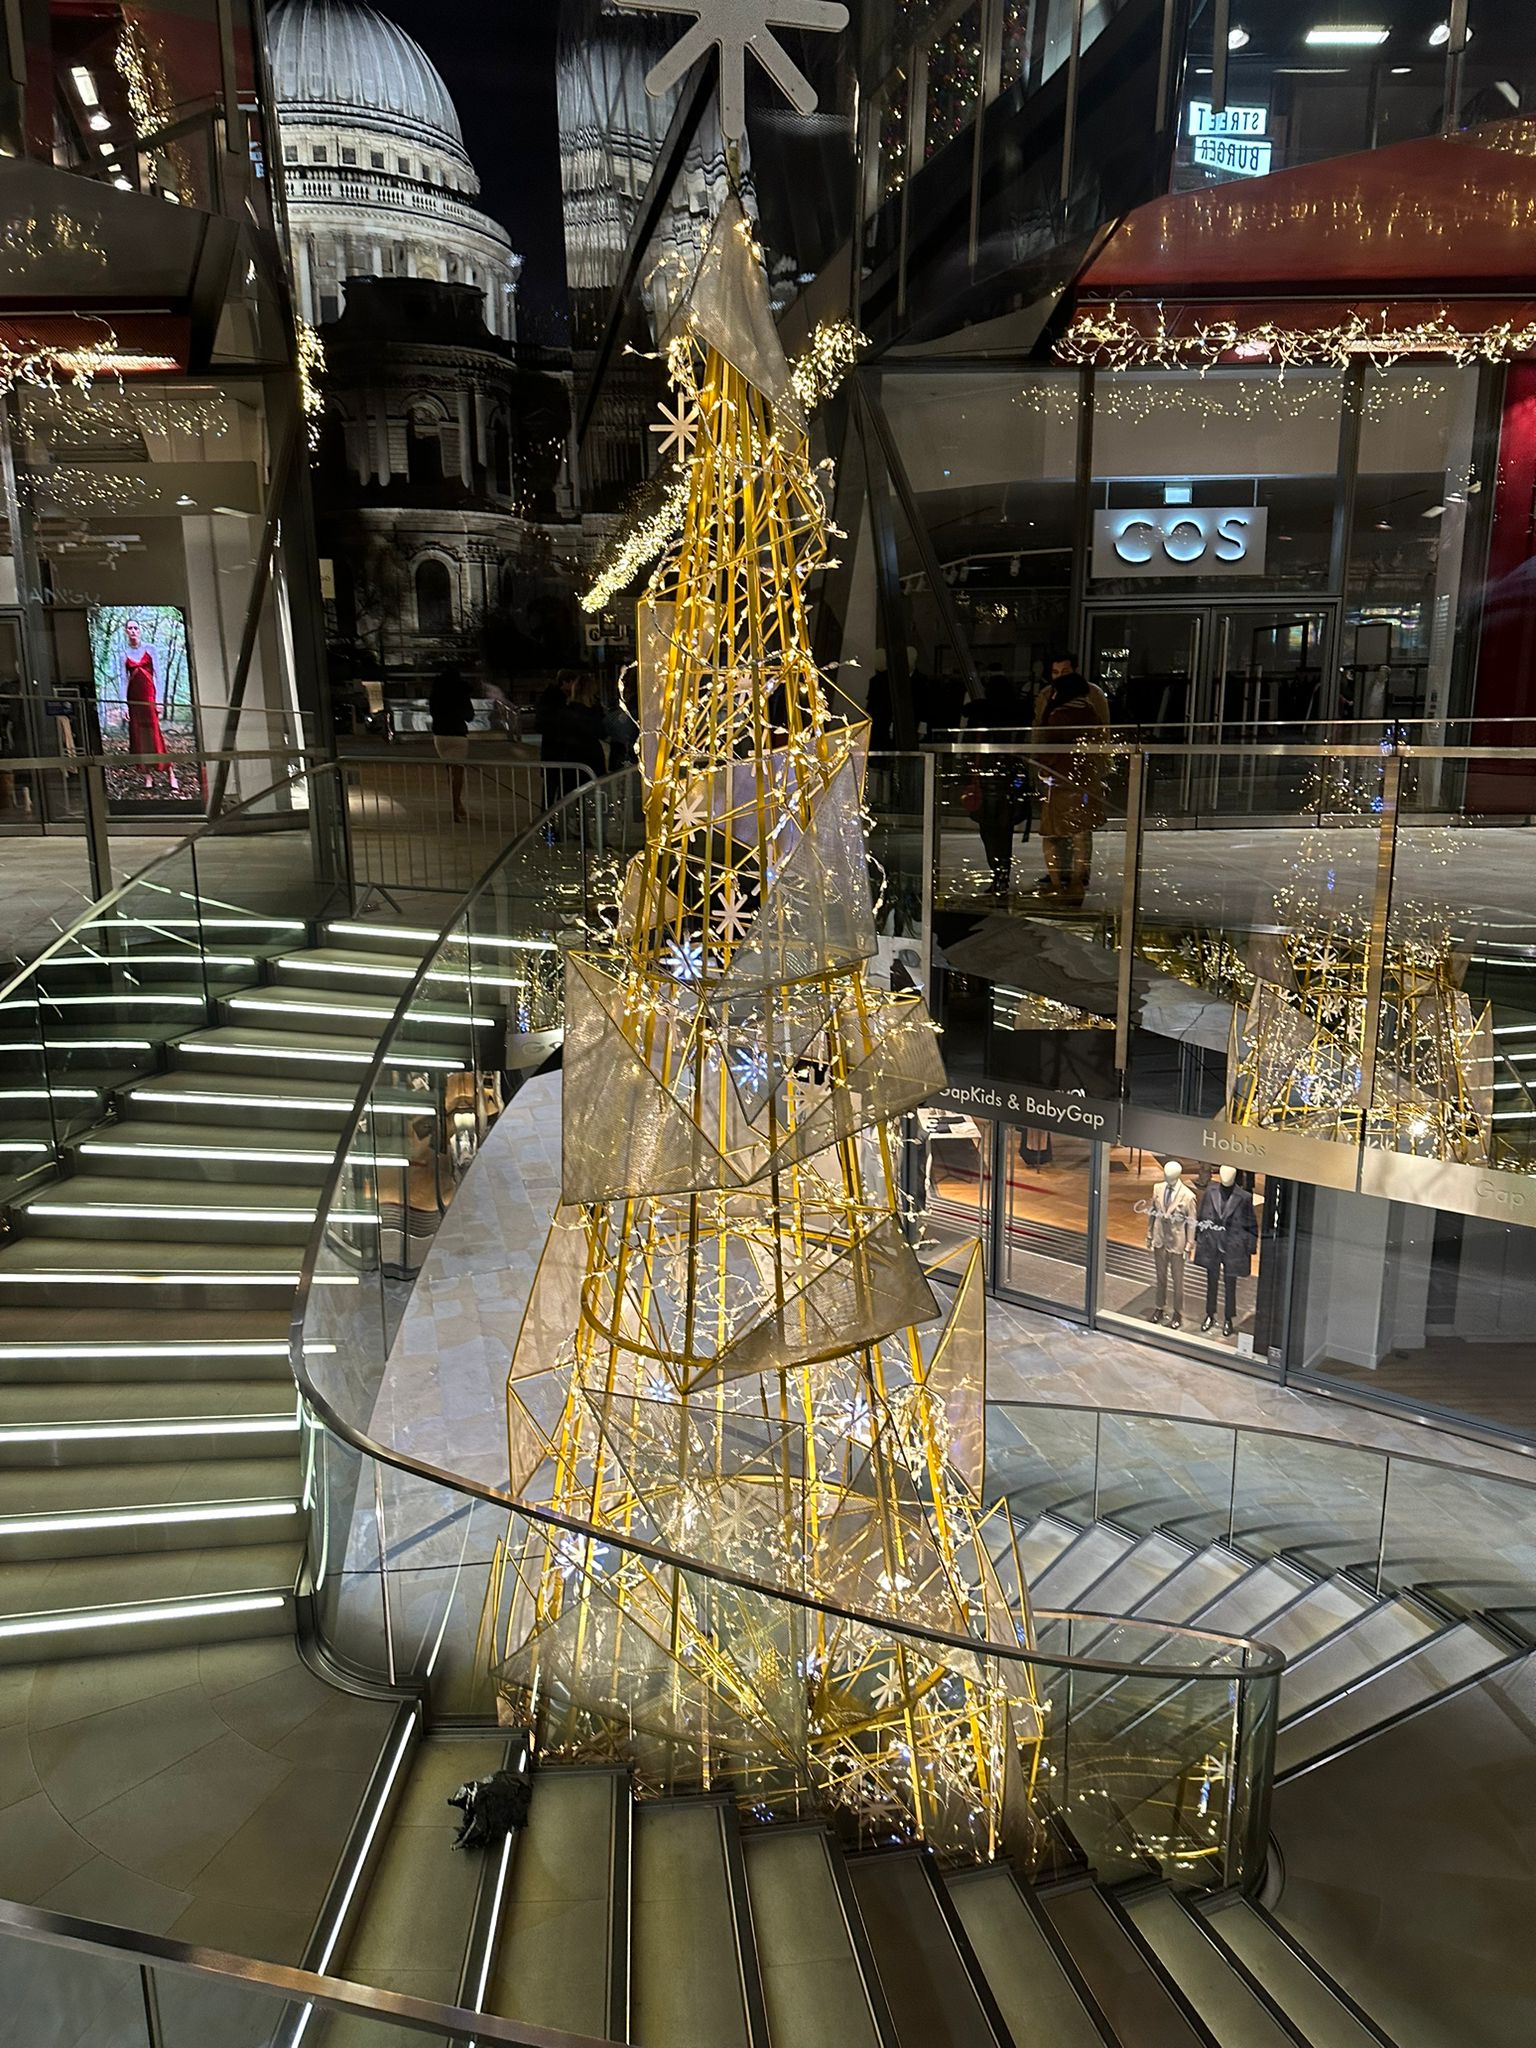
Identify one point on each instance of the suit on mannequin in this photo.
(1226, 1236)
(1170, 1238)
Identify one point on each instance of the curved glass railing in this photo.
(89, 1015)
(1395, 1522)
(1156, 1743)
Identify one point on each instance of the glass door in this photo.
(1045, 1196)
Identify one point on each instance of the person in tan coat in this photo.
(1069, 715)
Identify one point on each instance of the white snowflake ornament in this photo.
(738, 26)
(677, 428)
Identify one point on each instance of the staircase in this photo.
(149, 1436)
(1356, 1660)
(667, 1924)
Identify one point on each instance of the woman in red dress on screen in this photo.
(144, 734)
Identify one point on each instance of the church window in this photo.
(376, 159)
(501, 458)
(423, 446)
(290, 152)
(349, 156)
(321, 154)
(403, 166)
(434, 598)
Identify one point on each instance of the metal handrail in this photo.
(276, 1981)
(1259, 1660)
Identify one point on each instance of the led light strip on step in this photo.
(110, 995)
(228, 1098)
(189, 1276)
(300, 1006)
(131, 962)
(136, 1617)
(194, 924)
(131, 1432)
(426, 938)
(437, 1061)
(342, 968)
(77, 1045)
(146, 1518)
(107, 1149)
(50, 1094)
(240, 1347)
(207, 1213)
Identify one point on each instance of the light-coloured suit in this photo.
(1171, 1238)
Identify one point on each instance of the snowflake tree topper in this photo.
(738, 26)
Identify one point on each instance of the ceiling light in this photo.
(1434, 512)
(1439, 35)
(85, 85)
(1237, 39)
(1361, 38)
(98, 122)
(122, 184)
(1401, 70)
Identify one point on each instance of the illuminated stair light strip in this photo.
(300, 1006)
(229, 1098)
(438, 1062)
(110, 1149)
(208, 1213)
(426, 938)
(189, 1276)
(112, 995)
(150, 1428)
(76, 1045)
(194, 924)
(145, 1518)
(129, 963)
(342, 968)
(135, 1617)
(243, 1347)
(50, 1094)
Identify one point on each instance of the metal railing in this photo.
(414, 823)
(148, 1991)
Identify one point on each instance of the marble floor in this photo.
(443, 1394)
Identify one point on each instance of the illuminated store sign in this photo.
(1181, 540)
(1236, 140)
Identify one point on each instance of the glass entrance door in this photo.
(1217, 678)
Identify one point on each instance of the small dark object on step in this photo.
(492, 1807)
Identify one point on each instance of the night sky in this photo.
(498, 58)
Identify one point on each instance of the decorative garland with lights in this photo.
(813, 377)
(310, 360)
(1107, 340)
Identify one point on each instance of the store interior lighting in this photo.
(1363, 37)
(85, 85)
(1237, 39)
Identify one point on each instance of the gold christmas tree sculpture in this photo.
(731, 1352)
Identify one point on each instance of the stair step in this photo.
(1248, 1603)
(208, 1152)
(334, 1010)
(561, 1953)
(1032, 1983)
(694, 1964)
(1329, 1606)
(1224, 2001)
(1387, 1631)
(57, 1425)
(1069, 1582)
(408, 1931)
(82, 1510)
(249, 1047)
(1042, 1542)
(1135, 1999)
(113, 1207)
(45, 1345)
(1459, 1653)
(1303, 1992)
(1146, 1566)
(81, 1607)
(932, 1984)
(41, 1270)
(809, 1948)
(1195, 1585)
(283, 1101)
(339, 966)
(139, 957)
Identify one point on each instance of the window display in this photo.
(1182, 1248)
(954, 1190)
(145, 705)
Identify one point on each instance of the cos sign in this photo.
(1181, 540)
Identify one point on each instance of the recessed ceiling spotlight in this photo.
(1362, 37)
(1439, 35)
(98, 122)
(1238, 39)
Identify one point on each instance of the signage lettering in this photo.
(1181, 540)
(1040, 1108)
(1246, 120)
(1231, 153)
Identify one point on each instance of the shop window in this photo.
(1183, 1250)
(953, 1167)
(1047, 1177)
(434, 599)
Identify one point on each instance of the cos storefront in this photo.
(1400, 1282)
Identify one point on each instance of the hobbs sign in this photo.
(1181, 540)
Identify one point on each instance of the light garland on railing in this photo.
(813, 377)
(1107, 340)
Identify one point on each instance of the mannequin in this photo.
(1226, 1236)
(1171, 1238)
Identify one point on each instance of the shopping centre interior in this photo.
(767, 1127)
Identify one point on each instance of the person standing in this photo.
(1070, 716)
(585, 725)
(451, 707)
(999, 782)
(552, 712)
